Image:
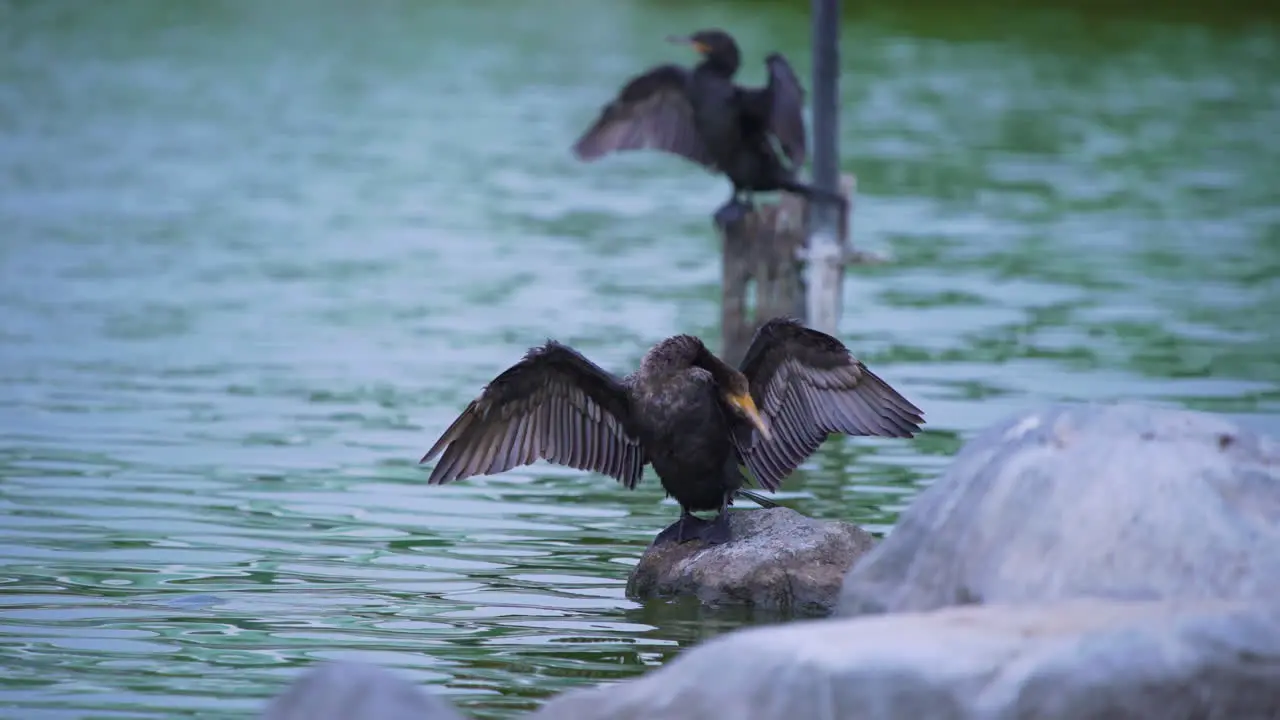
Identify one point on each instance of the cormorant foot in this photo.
(717, 531)
(731, 213)
(688, 527)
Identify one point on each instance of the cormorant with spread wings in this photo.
(688, 413)
(702, 116)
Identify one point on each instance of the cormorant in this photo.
(702, 116)
(688, 413)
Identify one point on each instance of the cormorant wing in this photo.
(651, 112)
(779, 105)
(553, 404)
(807, 385)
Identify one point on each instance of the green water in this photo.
(254, 257)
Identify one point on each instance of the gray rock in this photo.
(347, 690)
(1080, 659)
(1120, 501)
(778, 560)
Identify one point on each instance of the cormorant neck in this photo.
(720, 371)
(722, 64)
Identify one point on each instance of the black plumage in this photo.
(688, 413)
(754, 136)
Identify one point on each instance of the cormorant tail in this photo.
(813, 193)
(756, 498)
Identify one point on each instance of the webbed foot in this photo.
(731, 213)
(688, 527)
(716, 532)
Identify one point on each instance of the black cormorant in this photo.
(688, 413)
(702, 116)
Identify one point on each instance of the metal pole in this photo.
(825, 256)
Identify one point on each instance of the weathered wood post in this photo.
(825, 250)
(763, 267)
(760, 262)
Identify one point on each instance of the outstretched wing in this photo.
(553, 404)
(807, 385)
(779, 107)
(653, 112)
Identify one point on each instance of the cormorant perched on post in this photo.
(702, 116)
(690, 414)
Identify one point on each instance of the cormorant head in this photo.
(738, 395)
(717, 46)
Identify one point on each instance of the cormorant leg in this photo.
(688, 527)
(733, 211)
(717, 531)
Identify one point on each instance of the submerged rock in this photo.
(1075, 660)
(1120, 501)
(778, 559)
(347, 690)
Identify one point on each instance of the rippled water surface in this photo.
(255, 257)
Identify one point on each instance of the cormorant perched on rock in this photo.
(688, 413)
(702, 116)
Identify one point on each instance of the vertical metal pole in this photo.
(825, 255)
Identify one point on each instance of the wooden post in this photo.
(763, 257)
(760, 259)
(825, 252)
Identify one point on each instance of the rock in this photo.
(344, 690)
(1120, 501)
(1073, 660)
(778, 559)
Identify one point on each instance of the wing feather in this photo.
(778, 109)
(554, 404)
(786, 109)
(807, 385)
(652, 111)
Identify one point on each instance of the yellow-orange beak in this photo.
(748, 407)
(701, 48)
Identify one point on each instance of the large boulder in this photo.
(349, 690)
(1119, 501)
(1081, 659)
(777, 560)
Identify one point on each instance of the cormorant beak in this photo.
(748, 407)
(701, 48)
